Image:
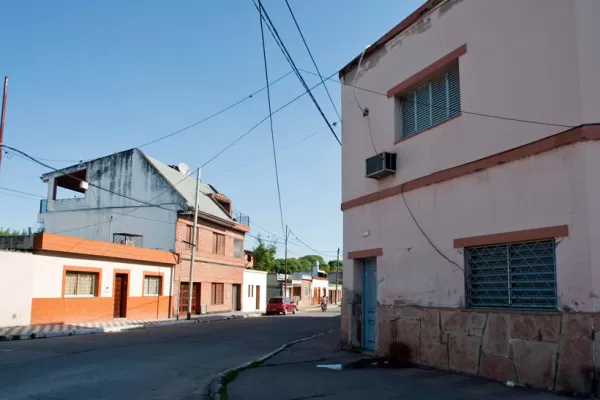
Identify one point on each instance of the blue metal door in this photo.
(369, 304)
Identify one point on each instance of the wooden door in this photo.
(236, 303)
(257, 294)
(184, 295)
(120, 296)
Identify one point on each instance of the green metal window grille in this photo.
(435, 102)
(515, 275)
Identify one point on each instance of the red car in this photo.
(277, 305)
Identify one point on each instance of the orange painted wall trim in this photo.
(96, 309)
(361, 254)
(571, 136)
(69, 268)
(66, 244)
(428, 73)
(550, 232)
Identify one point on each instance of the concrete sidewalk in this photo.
(87, 328)
(293, 375)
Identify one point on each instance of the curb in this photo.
(319, 308)
(117, 329)
(214, 387)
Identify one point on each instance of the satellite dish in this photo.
(183, 168)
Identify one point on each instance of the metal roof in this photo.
(187, 189)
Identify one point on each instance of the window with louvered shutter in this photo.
(430, 104)
(515, 275)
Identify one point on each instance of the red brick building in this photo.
(218, 267)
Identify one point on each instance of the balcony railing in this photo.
(241, 218)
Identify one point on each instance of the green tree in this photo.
(264, 256)
(335, 263)
(311, 258)
(12, 232)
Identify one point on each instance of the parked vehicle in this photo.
(280, 305)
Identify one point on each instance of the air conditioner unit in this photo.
(129, 243)
(381, 165)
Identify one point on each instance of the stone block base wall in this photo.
(553, 351)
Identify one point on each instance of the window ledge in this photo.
(70, 296)
(528, 311)
(429, 128)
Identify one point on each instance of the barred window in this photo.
(515, 275)
(82, 284)
(152, 285)
(432, 103)
(217, 293)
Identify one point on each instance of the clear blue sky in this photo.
(90, 78)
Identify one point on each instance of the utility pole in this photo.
(337, 276)
(286, 270)
(194, 239)
(2, 117)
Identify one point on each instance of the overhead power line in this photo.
(21, 192)
(133, 210)
(330, 78)
(79, 179)
(17, 195)
(313, 59)
(265, 156)
(290, 60)
(258, 124)
(264, 51)
(214, 114)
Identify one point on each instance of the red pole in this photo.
(2, 117)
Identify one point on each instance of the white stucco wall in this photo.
(48, 274)
(16, 270)
(129, 174)
(26, 276)
(254, 278)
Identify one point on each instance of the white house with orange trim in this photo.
(54, 279)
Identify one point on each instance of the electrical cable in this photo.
(262, 36)
(18, 191)
(263, 157)
(214, 114)
(16, 195)
(313, 59)
(79, 179)
(300, 240)
(287, 55)
(259, 123)
(133, 210)
(354, 81)
(424, 234)
(447, 108)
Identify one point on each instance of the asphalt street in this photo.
(163, 363)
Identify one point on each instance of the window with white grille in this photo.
(432, 103)
(152, 285)
(515, 275)
(83, 284)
